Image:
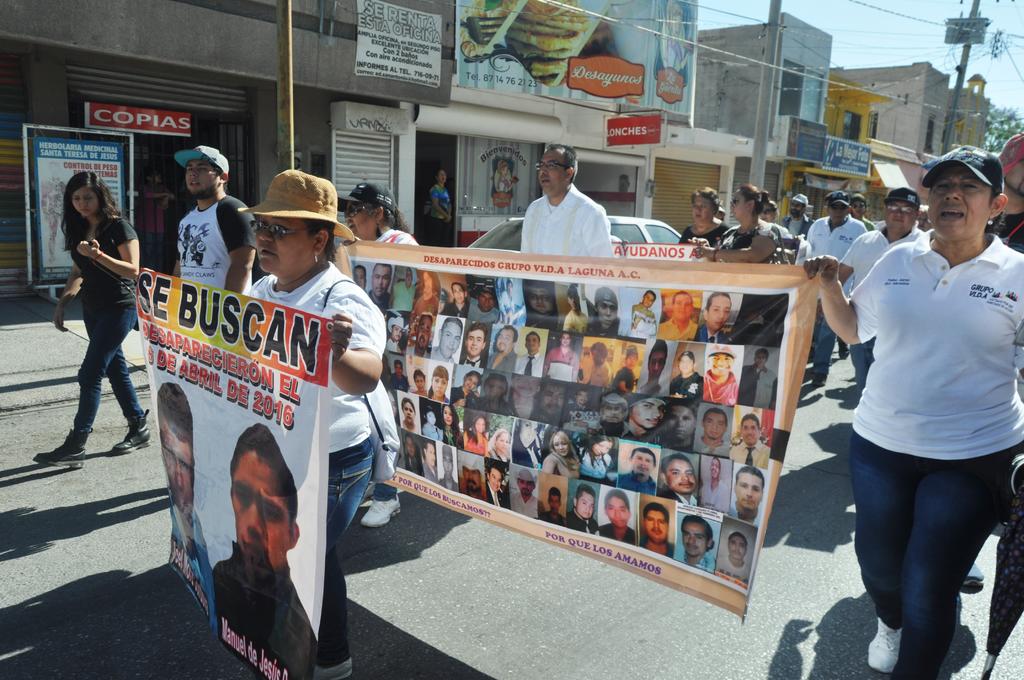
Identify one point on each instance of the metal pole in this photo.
(285, 112)
(765, 97)
(961, 71)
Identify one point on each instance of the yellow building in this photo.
(972, 114)
(845, 162)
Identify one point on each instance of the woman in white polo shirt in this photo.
(940, 420)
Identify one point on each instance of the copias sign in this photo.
(135, 119)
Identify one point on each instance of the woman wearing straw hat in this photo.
(295, 228)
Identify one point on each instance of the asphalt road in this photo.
(86, 592)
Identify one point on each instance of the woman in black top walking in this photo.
(105, 253)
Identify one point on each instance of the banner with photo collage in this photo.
(636, 411)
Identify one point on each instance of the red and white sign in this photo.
(152, 121)
(630, 130)
(683, 252)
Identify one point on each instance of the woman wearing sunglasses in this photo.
(373, 216)
(753, 240)
(295, 228)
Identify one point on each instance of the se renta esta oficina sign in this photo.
(630, 130)
(136, 119)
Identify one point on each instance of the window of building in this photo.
(929, 135)
(792, 89)
(851, 125)
(873, 125)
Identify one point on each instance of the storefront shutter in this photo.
(674, 182)
(12, 179)
(360, 157)
(138, 89)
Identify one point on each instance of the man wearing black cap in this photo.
(216, 244)
(832, 235)
(901, 206)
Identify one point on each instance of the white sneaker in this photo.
(380, 513)
(339, 672)
(975, 580)
(884, 649)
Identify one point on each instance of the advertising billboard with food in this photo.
(630, 51)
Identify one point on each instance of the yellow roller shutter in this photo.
(674, 181)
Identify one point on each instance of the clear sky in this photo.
(867, 37)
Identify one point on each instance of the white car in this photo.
(508, 234)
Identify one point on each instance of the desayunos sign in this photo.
(634, 130)
(152, 121)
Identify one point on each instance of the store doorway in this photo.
(433, 152)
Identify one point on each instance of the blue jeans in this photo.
(107, 328)
(349, 473)
(920, 524)
(824, 343)
(384, 492)
(862, 356)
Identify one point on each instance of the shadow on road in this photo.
(115, 625)
(841, 648)
(831, 523)
(419, 526)
(26, 531)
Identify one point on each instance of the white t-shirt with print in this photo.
(350, 421)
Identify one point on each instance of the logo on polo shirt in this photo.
(1005, 300)
(980, 291)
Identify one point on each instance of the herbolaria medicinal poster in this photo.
(633, 410)
(239, 389)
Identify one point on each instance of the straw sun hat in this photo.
(295, 194)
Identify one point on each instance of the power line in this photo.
(898, 14)
(1010, 55)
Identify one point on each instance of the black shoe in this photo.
(137, 437)
(70, 454)
(818, 379)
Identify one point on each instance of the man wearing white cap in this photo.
(796, 221)
(216, 245)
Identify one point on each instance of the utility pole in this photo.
(285, 110)
(961, 72)
(765, 97)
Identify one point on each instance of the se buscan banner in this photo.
(239, 388)
(636, 411)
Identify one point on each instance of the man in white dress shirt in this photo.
(563, 221)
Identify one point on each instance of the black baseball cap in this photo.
(372, 194)
(984, 165)
(904, 194)
(840, 197)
